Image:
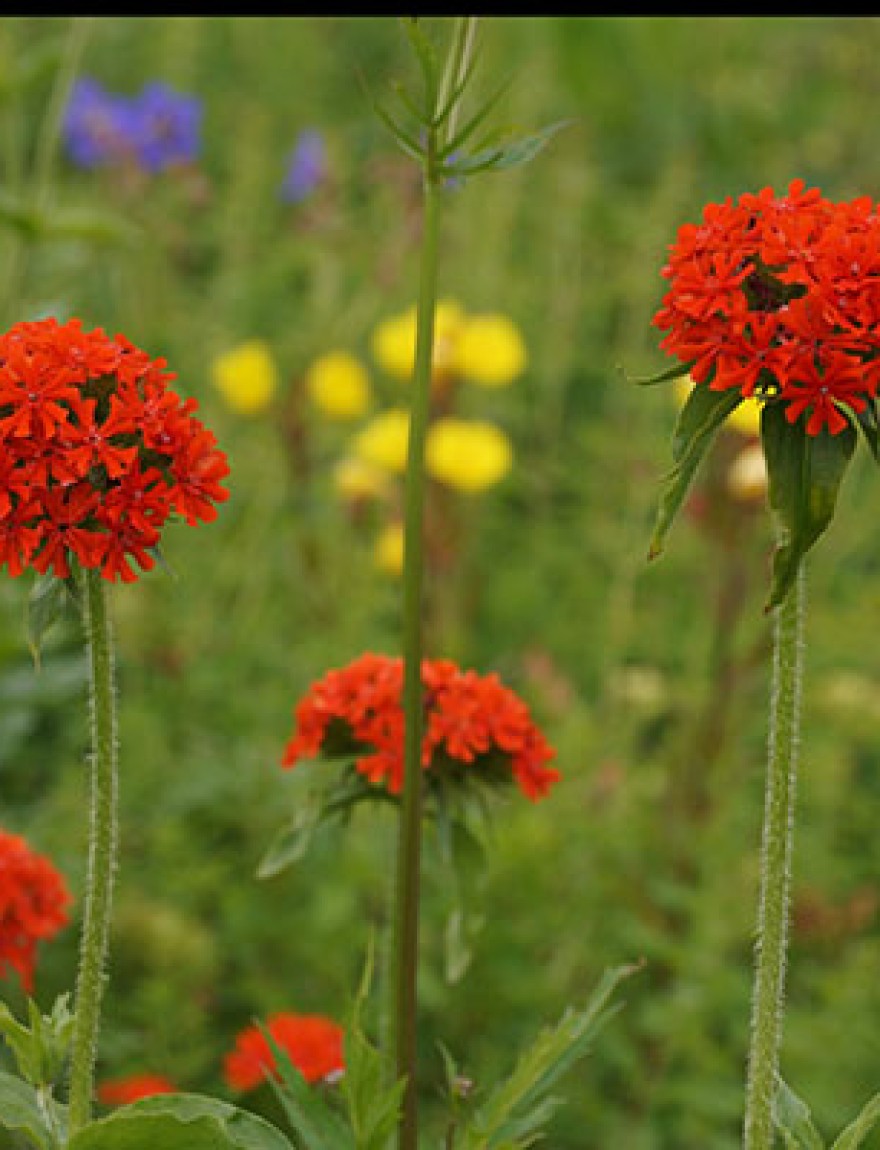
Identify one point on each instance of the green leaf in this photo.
(20, 1110)
(427, 57)
(94, 227)
(804, 473)
(791, 1116)
(674, 372)
(516, 1109)
(504, 156)
(316, 1125)
(853, 1136)
(20, 215)
(44, 606)
(701, 416)
(180, 1122)
(40, 1050)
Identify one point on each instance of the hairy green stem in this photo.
(91, 975)
(776, 855)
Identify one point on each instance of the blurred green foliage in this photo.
(651, 680)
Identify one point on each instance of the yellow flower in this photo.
(467, 454)
(490, 350)
(338, 385)
(388, 551)
(394, 340)
(355, 478)
(383, 441)
(746, 418)
(246, 377)
(747, 476)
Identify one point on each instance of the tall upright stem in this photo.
(776, 854)
(102, 850)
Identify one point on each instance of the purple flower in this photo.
(167, 127)
(306, 168)
(98, 128)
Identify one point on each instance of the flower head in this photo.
(338, 385)
(246, 377)
(394, 341)
(383, 441)
(778, 297)
(388, 549)
(122, 1091)
(475, 727)
(467, 454)
(490, 350)
(306, 167)
(97, 452)
(98, 127)
(313, 1043)
(33, 906)
(166, 127)
(355, 479)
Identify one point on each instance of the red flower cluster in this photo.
(313, 1043)
(779, 296)
(469, 719)
(95, 452)
(121, 1091)
(33, 906)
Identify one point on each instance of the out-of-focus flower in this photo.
(338, 385)
(490, 350)
(121, 1091)
(98, 452)
(33, 906)
(467, 454)
(167, 127)
(306, 167)
(747, 475)
(355, 478)
(475, 727)
(313, 1043)
(155, 130)
(745, 419)
(383, 441)
(388, 551)
(394, 340)
(246, 377)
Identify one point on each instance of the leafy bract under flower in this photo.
(475, 727)
(96, 452)
(33, 906)
(313, 1043)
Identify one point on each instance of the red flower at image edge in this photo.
(467, 718)
(121, 1091)
(96, 452)
(779, 297)
(313, 1043)
(33, 906)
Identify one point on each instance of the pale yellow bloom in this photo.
(747, 475)
(746, 418)
(246, 376)
(388, 550)
(383, 441)
(467, 454)
(490, 350)
(355, 478)
(394, 340)
(338, 385)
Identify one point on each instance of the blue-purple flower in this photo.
(98, 127)
(167, 125)
(306, 167)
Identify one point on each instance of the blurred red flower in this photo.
(471, 722)
(33, 906)
(96, 452)
(121, 1091)
(313, 1043)
(779, 296)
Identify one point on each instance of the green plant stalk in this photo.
(102, 850)
(406, 919)
(776, 856)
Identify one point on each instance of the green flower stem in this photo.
(776, 855)
(102, 850)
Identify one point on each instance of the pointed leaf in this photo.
(701, 416)
(426, 55)
(316, 1124)
(20, 1110)
(44, 606)
(791, 1116)
(854, 1135)
(674, 372)
(508, 155)
(804, 473)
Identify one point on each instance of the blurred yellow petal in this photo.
(383, 441)
(747, 476)
(338, 385)
(394, 340)
(490, 350)
(354, 478)
(246, 377)
(746, 418)
(388, 551)
(467, 454)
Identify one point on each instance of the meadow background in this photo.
(650, 679)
